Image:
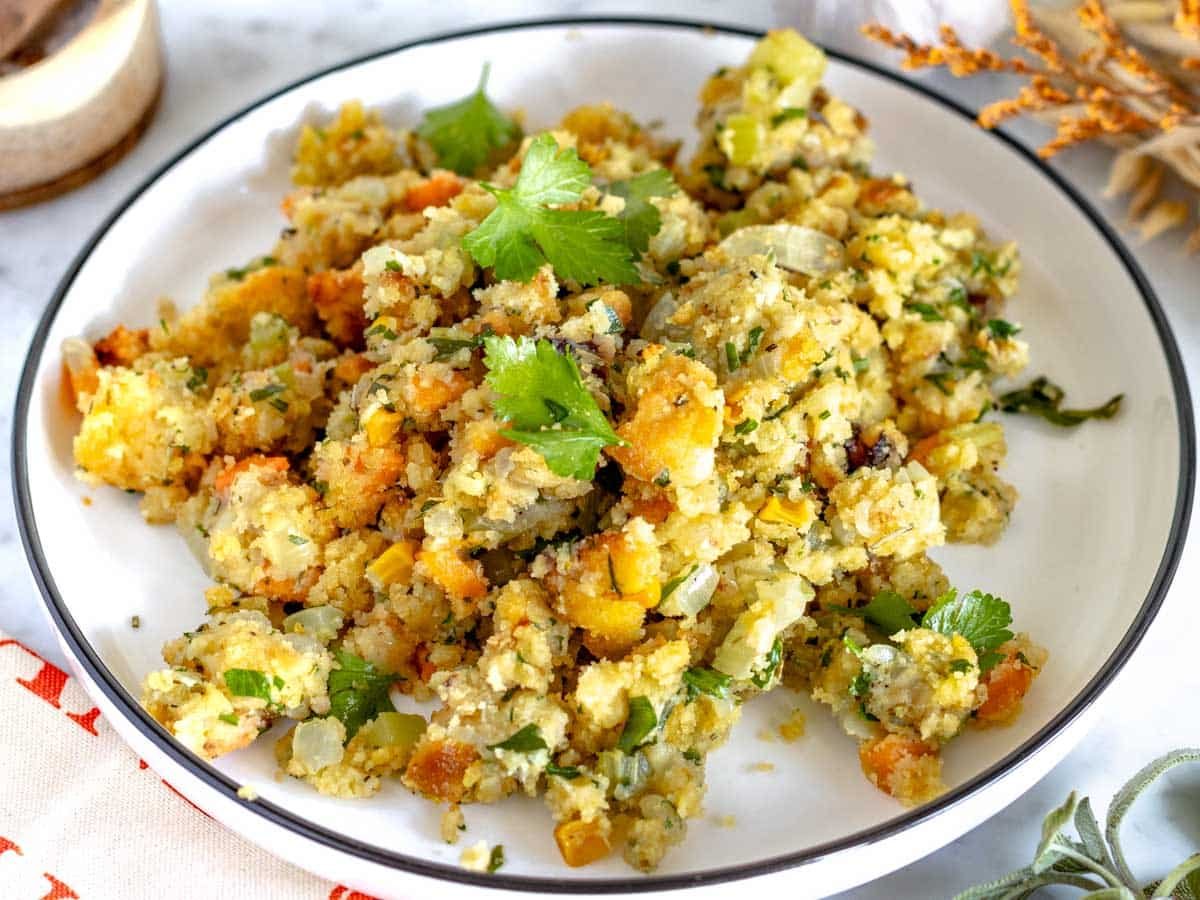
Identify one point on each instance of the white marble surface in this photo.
(225, 53)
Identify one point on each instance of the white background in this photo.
(222, 55)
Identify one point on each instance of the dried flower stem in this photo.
(1089, 75)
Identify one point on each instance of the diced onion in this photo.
(796, 248)
(693, 593)
(317, 743)
(322, 622)
(626, 772)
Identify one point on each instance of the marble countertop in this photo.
(224, 53)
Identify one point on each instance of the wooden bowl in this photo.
(68, 117)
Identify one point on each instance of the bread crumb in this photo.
(453, 824)
(475, 857)
(791, 729)
(762, 767)
(725, 821)
(247, 792)
(766, 734)
(87, 501)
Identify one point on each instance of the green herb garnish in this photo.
(641, 721)
(980, 618)
(1001, 330)
(707, 681)
(496, 859)
(1043, 398)
(523, 232)
(467, 133)
(248, 683)
(770, 665)
(528, 740)
(541, 393)
(640, 218)
(358, 691)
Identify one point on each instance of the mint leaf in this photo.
(248, 683)
(466, 134)
(542, 395)
(980, 618)
(358, 691)
(641, 218)
(522, 234)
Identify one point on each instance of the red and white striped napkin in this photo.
(82, 817)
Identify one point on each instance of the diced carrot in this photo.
(352, 367)
(337, 296)
(483, 436)
(437, 769)
(437, 190)
(458, 577)
(272, 463)
(1006, 685)
(429, 393)
(881, 758)
(581, 842)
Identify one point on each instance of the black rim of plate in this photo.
(216, 780)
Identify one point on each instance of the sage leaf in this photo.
(1129, 792)
(1189, 867)
(1047, 853)
(1089, 832)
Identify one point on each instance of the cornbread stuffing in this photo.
(588, 445)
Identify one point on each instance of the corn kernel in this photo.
(382, 426)
(798, 513)
(393, 565)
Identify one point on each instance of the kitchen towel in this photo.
(82, 817)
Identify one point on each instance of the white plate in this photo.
(1086, 562)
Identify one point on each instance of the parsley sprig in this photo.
(541, 393)
(467, 133)
(980, 618)
(526, 229)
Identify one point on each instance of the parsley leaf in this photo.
(888, 610)
(528, 740)
(358, 691)
(496, 858)
(567, 772)
(980, 618)
(248, 683)
(522, 233)
(926, 311)
(707, 681)
(542, 395)
(1000, 329)
(641, 218)
(641, 721)
(466, 133)
(1044, 398)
